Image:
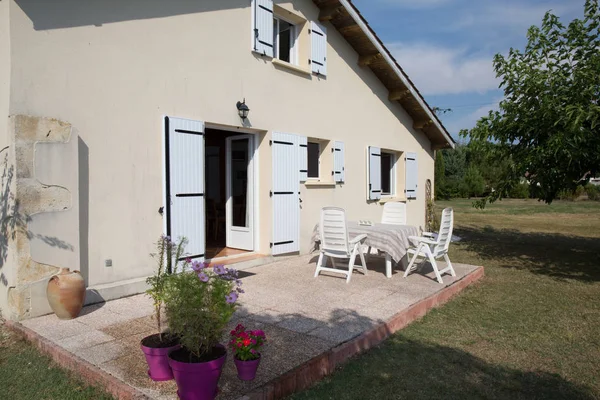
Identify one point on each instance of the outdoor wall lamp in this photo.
(243, 109)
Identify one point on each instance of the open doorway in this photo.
(229, 187)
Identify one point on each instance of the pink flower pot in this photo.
(158, 362)
(199, 380)
(247, 369)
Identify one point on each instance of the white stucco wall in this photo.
(6, 276)
(113, 72)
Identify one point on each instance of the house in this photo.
(121, 120)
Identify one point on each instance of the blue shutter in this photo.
(318, 58)
(184, 149)
(284, 194)
(262, 26)
(412, 175)
(339, 174)
(303, 157)
(374, 176)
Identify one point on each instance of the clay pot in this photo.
(66, 293)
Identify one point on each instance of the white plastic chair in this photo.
(335, 244)
(394, 213)
(431, 249)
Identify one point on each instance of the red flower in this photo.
(247, 342)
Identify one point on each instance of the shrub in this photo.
(520, 191)
(167, 256)
(593, 191)
(200, 303)
(571, 195)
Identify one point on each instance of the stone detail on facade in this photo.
(28, 197)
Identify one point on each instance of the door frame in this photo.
(256, 160)
(228, 186)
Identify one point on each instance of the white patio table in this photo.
(390, 239)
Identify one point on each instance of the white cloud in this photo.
(437, 70)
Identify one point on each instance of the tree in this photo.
(440, 175)
(548, 123)
(474, 182)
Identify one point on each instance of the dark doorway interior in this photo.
(215, 159)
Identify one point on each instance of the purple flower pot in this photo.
(246, 369)
(198, 381)
(158, 362)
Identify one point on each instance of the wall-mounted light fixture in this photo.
(243, 109)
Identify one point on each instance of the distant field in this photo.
(529, 330)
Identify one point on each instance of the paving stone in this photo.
(128, 328)
(84, 340)
(102, 318)
(56, 330)
(103, 352)
(299, 323)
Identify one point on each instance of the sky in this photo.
(447, 46)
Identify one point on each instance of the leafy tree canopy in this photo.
(548, 123)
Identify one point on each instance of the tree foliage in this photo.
(548, 123)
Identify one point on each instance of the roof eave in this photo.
(433, 121)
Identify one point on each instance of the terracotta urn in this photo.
(66, 293)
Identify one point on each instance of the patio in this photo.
(312, 325)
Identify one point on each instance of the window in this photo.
(284, 40)
(388, 174)
(314, 151)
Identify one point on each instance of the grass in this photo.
(26, 374)
(529, 330)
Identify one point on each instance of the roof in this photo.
(347, 19)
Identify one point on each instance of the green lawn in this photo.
(26, 374)
(530, 329)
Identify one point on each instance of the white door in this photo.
(184, 183)
(284, 195)
(240, 192)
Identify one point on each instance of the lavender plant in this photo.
(200, 303)
(167, 258)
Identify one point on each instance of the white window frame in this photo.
(394, 160)
(293, 39)
(318, 159)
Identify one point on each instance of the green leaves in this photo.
(549, 119)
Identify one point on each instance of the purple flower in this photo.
(239, 290)
(198, 266)
(203, 277)
(219, 270)
(231, 298)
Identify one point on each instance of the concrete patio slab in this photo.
(312, 324)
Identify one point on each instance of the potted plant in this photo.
(156, 347)
(199, 305)
(246, 345)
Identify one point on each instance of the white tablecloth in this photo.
(391, 239)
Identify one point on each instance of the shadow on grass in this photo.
(555, 255)
(408, 369)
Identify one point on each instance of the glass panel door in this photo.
(240, 192)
